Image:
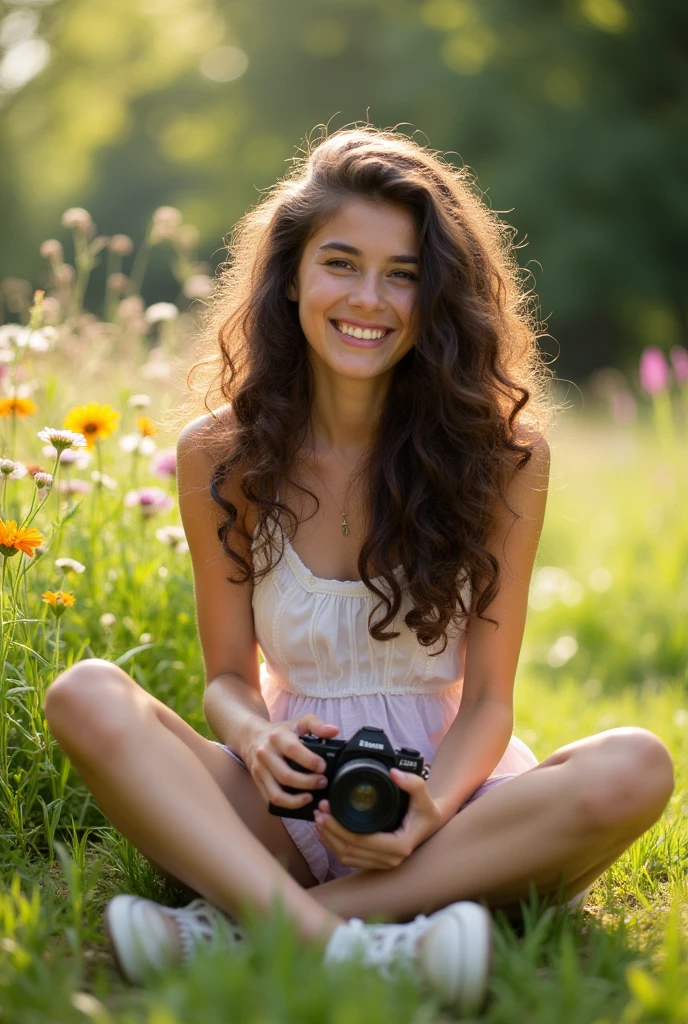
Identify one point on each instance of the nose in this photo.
(367, 293)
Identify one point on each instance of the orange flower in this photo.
(147, 426)
(13, 540)
(59, 601)
(55, 597)
(19, 406)
(93, 420)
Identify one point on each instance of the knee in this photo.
(629, 779)
(86, 706)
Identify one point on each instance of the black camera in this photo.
(362, 795)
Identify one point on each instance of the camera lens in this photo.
(363, 797)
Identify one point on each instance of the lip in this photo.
(362, 342)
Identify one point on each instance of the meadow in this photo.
(94, 564)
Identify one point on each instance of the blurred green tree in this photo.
(571, 113)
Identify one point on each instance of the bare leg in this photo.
(161, 784)
(564, 821)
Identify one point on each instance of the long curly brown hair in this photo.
(454, 425)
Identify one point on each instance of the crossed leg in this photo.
(557, 826)
(196, 814)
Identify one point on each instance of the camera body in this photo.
(362, 795)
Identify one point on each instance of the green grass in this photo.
(606, 644)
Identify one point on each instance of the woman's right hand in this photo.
(265, 756)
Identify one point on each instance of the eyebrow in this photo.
(343, 247)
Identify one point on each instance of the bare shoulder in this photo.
(533, 474)
(200, 446)
(203, 430)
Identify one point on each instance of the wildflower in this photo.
(34, 468)
(44, 483)
(7, 466)
(118, 283)
(69, 565)
(121, 245)
(679, 361)
(654, 372)
(147, 426)
(18, 471)
(150, 500)
(107, 619)
(131, 307)
(78, 219)
(52, 250)
(59, 601)
(161, 311)
(18, 406)
(164, 464)
(198, 286)
(64, 274)
(104, 480)
(74, 486)
(166, 221)
(623, 406)
(36, 311)
(170, 535)
(138, 444)
(139, 401)
(14, 539)
(158, 366)
(93, 420)
(62, 440)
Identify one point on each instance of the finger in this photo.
(314, 724)
(286, 744)
(408, 781)
(287, 776)
(383, 844)
(276, 795)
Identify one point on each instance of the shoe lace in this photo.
(201, 922)
(383, 945)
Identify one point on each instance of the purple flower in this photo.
(150, 500)
(679, 361)
(654, 370)
(164, 464)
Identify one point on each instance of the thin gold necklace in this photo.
(345, 526)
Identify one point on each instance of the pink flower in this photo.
(654, 370)
(165, 463)
(623, 406)
(679, 361)
(150, 500)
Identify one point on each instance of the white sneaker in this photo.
(140, 936)
(450, 951)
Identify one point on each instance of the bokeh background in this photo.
(572, 113)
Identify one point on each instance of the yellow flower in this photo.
(18, 406)
(55, 597)
(13, 540)
(146, 426)
(59, 601)
(93, 420)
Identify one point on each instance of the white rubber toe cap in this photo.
(139, 935)
(455, 955)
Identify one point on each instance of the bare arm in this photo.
(233, 705)
(480, 733)
(233, 710)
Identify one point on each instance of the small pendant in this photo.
(345, 528)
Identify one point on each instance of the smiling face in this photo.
(357, 287)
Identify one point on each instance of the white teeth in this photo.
(358, 332)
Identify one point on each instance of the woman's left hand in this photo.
(380, 851)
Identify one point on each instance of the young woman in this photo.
(375, 478)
